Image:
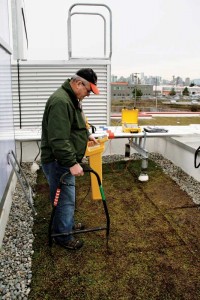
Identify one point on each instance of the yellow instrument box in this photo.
(130, 120)
(94, 152)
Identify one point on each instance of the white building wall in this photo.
(7, 139)
(39, 79)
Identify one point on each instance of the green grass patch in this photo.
(153, 247)
(164, 121)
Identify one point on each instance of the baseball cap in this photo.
(89, 75)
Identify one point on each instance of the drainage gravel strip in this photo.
(16, 251)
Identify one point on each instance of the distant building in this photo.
(196, 81)
(123, 90)
(194, 90)
(187, 81)
(166, 89)
(120, 91)
(113, 78)
(140, 78)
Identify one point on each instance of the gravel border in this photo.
(16, 251)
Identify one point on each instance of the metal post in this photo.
(135, 76)
(156, 96)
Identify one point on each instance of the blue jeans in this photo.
(64, 214)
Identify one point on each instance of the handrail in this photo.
(85, 13)
(88, 13)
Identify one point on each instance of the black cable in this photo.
(195, 158)
(81, 201)
(24, 21)
(19, 94)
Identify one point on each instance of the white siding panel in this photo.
(38, 80)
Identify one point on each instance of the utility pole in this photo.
(155, 83)
(156, 95)
(135, 76)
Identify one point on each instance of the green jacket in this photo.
(64, 133)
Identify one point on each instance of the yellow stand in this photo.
(94, 152)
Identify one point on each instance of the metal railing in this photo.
(70, 14)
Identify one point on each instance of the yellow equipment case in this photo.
(130, 120)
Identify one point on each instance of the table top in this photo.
(34, 134)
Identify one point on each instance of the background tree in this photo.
(185, 92)
(138, 93)
(172, 92)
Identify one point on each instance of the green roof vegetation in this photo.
(154, 241)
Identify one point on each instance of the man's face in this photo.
(83, 89)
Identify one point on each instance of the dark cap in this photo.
(89, 75)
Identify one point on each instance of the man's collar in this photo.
(67, 87)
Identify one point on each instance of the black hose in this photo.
(195, 158)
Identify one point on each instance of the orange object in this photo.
(111, 134)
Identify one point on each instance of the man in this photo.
(63, 144)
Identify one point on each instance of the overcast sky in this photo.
(157, 37)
